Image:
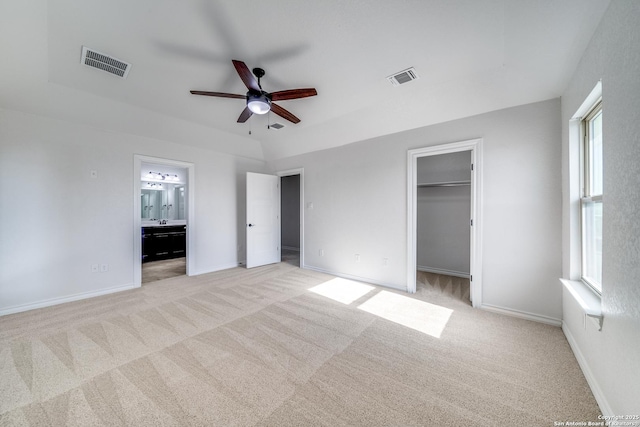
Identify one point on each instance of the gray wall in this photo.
(444, 167)
(443, 241)
(359, 197)
(290, 211)
(56, 221)
(610, 357)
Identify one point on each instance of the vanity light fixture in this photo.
(157, 176)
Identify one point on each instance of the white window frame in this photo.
(587, 195)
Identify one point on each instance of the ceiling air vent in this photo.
(276, 126)
(403, 77)
(92, 58)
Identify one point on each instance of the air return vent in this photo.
(276, 126)
(101, 61)
(403, 77)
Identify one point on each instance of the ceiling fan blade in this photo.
(218, 94)
(284, 113)
(244, 116)
(293, 94)
(245, 74)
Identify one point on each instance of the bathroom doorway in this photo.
(163, 218)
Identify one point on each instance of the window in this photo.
(591, 197)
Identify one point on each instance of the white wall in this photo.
(359, 202)
(56, 221)
(610, 358)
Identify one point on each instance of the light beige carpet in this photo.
(258, 347)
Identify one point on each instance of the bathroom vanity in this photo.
(163, 242)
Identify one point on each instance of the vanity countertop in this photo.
(146, 224)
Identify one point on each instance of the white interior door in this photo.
(263, 219)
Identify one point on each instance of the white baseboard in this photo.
(443, 271)
(62, 300)
(591, 380)
(357, 278)
(522, 314)
(85, 295)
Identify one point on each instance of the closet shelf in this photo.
(445, 184)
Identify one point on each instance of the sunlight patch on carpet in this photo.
(421, 316)
(342, 290)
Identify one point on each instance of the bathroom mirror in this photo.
(167, 202)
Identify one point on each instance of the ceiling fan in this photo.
(259, 101)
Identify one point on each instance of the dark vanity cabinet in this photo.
(165, 242)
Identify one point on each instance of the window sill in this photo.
(589, 301)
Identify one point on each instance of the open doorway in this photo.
(443, 224)
(164, 222)
(290, 219)
(457, 191)
(163, 218)
(291, 214)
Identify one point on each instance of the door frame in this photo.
(475, 251)
(300, 172)
(138, 160)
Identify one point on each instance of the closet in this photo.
(444, 213)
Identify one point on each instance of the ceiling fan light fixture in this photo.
(258, 104)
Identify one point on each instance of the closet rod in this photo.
(445, 184)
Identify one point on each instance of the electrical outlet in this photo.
(357, 257)
(104, 267)
(321, 252)
(385, 261)
(94, 268)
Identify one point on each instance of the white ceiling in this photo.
(472, 56)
